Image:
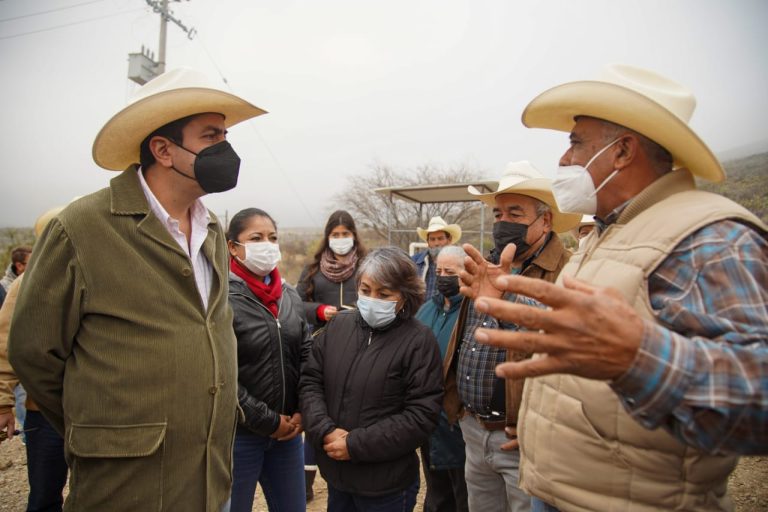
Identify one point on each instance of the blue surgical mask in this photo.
(377, 313)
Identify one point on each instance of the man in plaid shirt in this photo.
(652, 358)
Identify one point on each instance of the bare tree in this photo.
(373, 211)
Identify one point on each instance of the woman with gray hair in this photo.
(371, 391)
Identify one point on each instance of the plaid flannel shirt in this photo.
(702, 370)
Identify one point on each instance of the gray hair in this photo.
(391, 268)
(453, 251)
(541, 207)
(661, 160)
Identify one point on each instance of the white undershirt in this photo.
(199, 218)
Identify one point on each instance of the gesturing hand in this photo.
(588, 331)
(478, 278)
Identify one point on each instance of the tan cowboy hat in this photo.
(523, 178)
(173, 95)
(438, 224)
(641, 100)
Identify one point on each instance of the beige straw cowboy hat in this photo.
(641, 100)
(522, 178)
(173, 95)
(438, 224)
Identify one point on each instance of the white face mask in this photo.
(260, 257)
(582, 244)
(341, 246)
(574, 190)
(376, 312)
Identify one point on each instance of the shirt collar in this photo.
(199, 215)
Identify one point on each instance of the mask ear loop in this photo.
(610, 176)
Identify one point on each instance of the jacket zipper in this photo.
(279, 343)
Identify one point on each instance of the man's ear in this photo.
(626, 151)
(160, 148)
(547, 220)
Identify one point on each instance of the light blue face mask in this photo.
(376, 312)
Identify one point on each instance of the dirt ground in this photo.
(748, 484)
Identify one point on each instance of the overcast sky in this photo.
(352, 82)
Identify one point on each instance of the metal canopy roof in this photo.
(441, 193)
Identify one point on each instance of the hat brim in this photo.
(558, 108)
(537, 188)
(116, 146)
(452, 229)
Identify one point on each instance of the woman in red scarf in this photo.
(272, 340)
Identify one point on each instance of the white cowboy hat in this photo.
(586, 220)
(523, 178)
(173, 95)
(635, 98)
(438, 224)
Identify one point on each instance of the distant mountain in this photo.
(746, 183)
(753, 148)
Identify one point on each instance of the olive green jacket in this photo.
(110, 338)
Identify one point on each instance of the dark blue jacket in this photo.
(446, 445)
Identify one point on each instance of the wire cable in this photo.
(70, 24)
(291, 186)
(50, 10)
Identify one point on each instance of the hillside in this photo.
(746, 183)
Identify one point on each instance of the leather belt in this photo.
(489, 423)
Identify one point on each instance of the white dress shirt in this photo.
(199, 218)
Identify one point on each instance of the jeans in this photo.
(310, 462)
(492, 474)
(21, 410)
(446, 488)
(403, 501)
(541, 506)
(277, 465)
(46, 467)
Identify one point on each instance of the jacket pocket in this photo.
(117, 467)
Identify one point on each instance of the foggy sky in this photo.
(351, 83)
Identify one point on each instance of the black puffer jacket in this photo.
(385, 388)
(269, 355)
(325, 292)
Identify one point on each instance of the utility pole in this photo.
(141, 66)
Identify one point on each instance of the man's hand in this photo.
(7, 423)
(336, 444)
(287, 430)
(588, 331)
(513, 444)
(479, 275)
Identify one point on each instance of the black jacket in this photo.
(385, 388)
(325, 292)
(269, 355)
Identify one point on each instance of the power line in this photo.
(70, 24)
(50, 10)
(261, 138)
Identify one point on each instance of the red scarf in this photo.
(268, 294)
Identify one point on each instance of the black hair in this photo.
(237, 224)
(172, 131)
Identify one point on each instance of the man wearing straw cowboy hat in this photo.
(524, 232)
(134, 357)
(652, 358)
(437, 235)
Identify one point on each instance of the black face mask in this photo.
(505, 233)
(216, 167)
(448, 286)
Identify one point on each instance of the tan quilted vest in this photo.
(580, 450)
